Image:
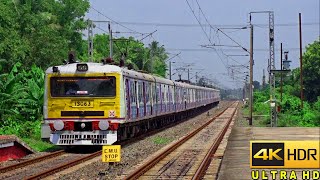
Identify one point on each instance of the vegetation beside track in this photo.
(161, 140)
(291, 113)
(38, 34)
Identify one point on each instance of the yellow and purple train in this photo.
(99, 103)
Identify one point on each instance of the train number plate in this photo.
(82, 104)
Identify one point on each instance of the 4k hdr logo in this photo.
(284, 154)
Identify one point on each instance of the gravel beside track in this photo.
(135, 153)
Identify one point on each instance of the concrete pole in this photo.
(281, 78)
(251, 75)
(301, 70)
(110, 40)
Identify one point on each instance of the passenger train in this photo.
(100, 103)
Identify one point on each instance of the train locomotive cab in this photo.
(82, 104)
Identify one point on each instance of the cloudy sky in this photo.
(178, 29)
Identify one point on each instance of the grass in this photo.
(39, 145)
(161, 140)
(259, 120)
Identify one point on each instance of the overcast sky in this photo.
(178, 30)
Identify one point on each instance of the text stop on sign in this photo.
(111, 153)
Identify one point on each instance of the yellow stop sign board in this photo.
(111, 153)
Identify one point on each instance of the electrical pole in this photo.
(272, 67)
(281, 78)
(189, 75)
(110, 40)
(301, 70)
(251, 74)
(90, 40)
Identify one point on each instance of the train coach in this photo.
(99, 103)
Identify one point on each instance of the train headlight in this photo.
(103, 125)
(83, 125)
(58, 125)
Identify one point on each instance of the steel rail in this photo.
(63, 166)
(31, 161)
(208, 158)
(148, 165)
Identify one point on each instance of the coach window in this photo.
(176, 94)
(163, 91)
(146, 92)
(169, 95)
(179, 95)
(167, 92)
(164, 94)
(140, 93)
(152, 93)
(172, 95)
(194, 95)
(157, 96)
(133, 92)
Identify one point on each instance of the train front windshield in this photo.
(83, 86)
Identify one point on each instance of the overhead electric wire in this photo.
(229, 50)
(220, 29)
(208, 25)
(102, 29)
(198, 21)
(114, 21)
(209, 39)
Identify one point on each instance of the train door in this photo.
(140, 99)
(185, 98)
(145, 97)
(164, 102)
(133, 99)
(161, 98)
(128, 99)
(158, 101)
(136, 98)
(170, 99)
(152, 97)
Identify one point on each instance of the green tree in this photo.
(149, 59)
(40, 32)
(311, 71)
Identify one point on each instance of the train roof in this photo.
(136, 74)
(107, 68)
(92, 68)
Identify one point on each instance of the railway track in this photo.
(31, 161)
(50, 164)
(44, 166)
(189, 157)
